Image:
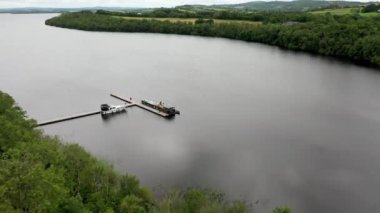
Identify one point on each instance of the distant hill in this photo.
(60, 10)
(302, 5)
(285, 6)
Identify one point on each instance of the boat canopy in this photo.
(105, 107)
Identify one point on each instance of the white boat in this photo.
(106, 109)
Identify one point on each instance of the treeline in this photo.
(263, 16)
(39, 173)
(350, 36)
(371, 8)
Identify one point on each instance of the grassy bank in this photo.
(338, 11)
(346, 11)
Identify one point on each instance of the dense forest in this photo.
(351, 37)
(39, 173)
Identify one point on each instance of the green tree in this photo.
(132, 204)
(282, 210)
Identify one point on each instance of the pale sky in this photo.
(122, 3)
(111, 3)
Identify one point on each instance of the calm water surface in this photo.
(271, 126)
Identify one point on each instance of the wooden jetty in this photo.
(81, 115)
(130, 104)
(141, 106)
(69, 118)
(122, 99)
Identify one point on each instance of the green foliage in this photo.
(196, 200)
(41, 174)
(72, 205)
(282, 210)
(371, 8)
(131, 204)
(238, 207)
(15, 127)
(209, 14)
(204, 21)
(27, 182)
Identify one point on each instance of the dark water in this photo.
(268, 125)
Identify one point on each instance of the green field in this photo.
(339, 11)
(344, 11)
(192, 20)
(369, 14)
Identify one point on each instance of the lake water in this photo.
(271, 126)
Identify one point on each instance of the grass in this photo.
(339, 11)
(370, 14)
(192, 20)
(344, 11)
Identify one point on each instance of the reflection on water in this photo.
(272, 126)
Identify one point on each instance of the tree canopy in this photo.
(371, 8)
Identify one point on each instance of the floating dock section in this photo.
(141, 106)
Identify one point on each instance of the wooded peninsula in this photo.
(353, 36)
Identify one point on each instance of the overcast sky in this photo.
(110, 3)
(124, 3)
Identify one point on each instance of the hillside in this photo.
(302, 5)
(283, 6)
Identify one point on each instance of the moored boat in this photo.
(111, 109)
(160, 106)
